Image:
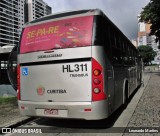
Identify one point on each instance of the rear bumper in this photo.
(75, 110)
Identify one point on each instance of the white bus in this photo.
(75, 65)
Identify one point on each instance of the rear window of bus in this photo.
(66, 33)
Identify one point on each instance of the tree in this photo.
(146, 53)
(151, 15)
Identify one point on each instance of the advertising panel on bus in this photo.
(66, 33)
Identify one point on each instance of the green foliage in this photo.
(151, 15)
(147, 53)
(4, 100)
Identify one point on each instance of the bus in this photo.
(75, 65)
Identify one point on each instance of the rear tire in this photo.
(126, 95)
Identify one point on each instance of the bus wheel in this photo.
(126, 95)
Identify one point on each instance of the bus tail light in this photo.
(96, 72)
(18, 82)
(97, 82)
(97, 90)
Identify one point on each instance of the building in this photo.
(134, 42)
(14, 14)
(36, 9)
(145, 39)
(143, 34)
(10, 20)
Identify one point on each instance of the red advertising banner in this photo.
(67, 33)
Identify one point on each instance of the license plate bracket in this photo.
(47, 112)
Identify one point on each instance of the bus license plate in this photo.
(51, 112)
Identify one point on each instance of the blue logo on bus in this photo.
(25, 71)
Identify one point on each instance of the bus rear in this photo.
(59, 73)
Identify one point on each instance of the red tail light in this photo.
(97, 82)
(18, 82)
(96, 72)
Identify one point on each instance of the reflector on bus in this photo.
(66, 33)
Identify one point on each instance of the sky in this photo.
(123, 13)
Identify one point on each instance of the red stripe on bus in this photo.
(18, 82)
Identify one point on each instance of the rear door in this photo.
(55, 61)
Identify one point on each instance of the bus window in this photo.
(107, 40)
(98, 38)
(69, 33)
(112, 37)
(119, 43)
(117, 59)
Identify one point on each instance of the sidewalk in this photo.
(147, 112)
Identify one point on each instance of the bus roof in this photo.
(68, 14)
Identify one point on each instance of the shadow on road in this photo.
(84, 124)
(156, 73)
